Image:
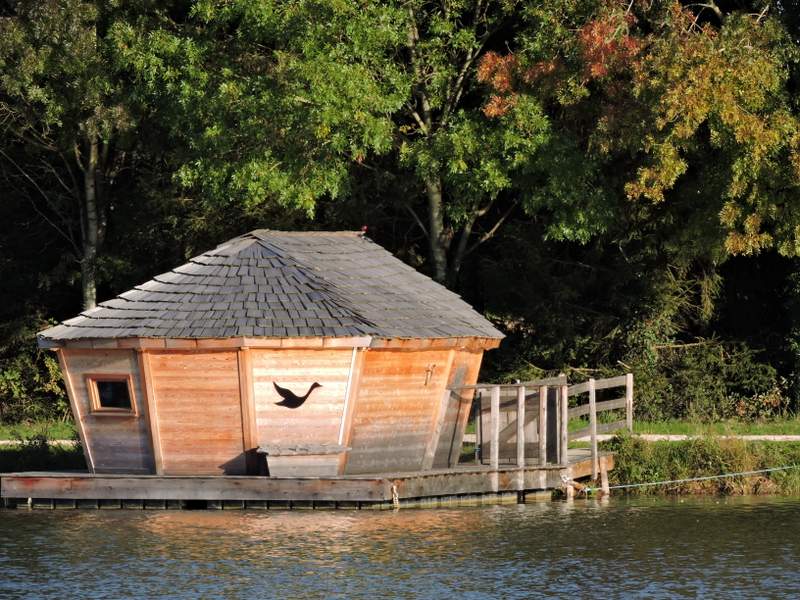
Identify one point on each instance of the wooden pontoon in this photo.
(521, 445)
(289, 367)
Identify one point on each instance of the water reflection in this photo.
(643, 548)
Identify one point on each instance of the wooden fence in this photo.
(528, 422)
(592, 408)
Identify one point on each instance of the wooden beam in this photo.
(351, 342)
(141, 343)
(247, 398)
(132, 487)
(152, 409)
(629, 401)
(494, 458)
(593, 427)
(521, 426)
(351, 404)
(76, 409)
(543, 425)
(564, 425)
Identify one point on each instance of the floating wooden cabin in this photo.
(206, 368)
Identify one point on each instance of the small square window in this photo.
(111, 394)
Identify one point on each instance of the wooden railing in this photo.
(512, 422)
(592, 408)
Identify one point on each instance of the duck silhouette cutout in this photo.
(290, 399)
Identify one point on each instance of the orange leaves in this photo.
(606, 45)
(497, 106)
(499, 72)
(507, 78)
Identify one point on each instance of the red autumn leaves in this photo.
(604, 47)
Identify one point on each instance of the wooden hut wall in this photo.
(464, 371)
(318, 420)
(114, 443)
(398, 400)
(198, 412)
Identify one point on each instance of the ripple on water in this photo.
(739, 547)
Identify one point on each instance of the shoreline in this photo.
(641, 461)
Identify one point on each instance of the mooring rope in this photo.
(704, 478)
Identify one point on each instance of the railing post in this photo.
(495, 417)
(629, 401)
(521, 426)
(479, 428)
(563, 454)
(593, 428)
(543, 425)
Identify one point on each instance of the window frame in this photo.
(96, 408)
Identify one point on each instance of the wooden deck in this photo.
(465, 484)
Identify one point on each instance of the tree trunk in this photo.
(91, 237)
(458, 255)
(436, 233)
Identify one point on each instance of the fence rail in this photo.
(529, 421)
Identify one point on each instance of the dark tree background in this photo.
(614, 184)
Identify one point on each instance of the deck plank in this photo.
(466, 479)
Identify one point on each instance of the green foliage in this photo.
(708, 381)
(597, 165)
(272, 101)
(637, 461)
(36, 453)
(30, 379)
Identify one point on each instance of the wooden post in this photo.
(629, 401)
(543, 425)
(563, 455)
(604, 487)
(593, 427)
(521, 426)
(478, 428)
(249, 424)
(495, 432)
(152, 409)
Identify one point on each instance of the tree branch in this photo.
(36, 208)
(418, 220)
(489, 234)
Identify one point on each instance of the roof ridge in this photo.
(337, 296)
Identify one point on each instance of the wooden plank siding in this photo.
(317, 421)
(198, 411)
(464, 371)
(398, 400)
(115, 443)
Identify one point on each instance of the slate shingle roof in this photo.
(284, 284)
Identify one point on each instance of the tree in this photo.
(63, 121)
(667, 98)
(286, 102)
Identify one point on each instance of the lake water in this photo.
(741, 548)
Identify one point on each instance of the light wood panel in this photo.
(199, 412)
(115, 442)
(464, 371)
(317, 421)
(398, 399)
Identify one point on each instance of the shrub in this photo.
(30, 379)
(707, 381)
(638, 461)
